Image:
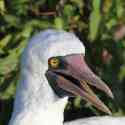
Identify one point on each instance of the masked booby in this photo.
(53, 68)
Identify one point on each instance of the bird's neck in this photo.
(36, 102)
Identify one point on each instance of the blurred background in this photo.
(100, 24)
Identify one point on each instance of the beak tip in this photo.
(111, 94)
(109, 112)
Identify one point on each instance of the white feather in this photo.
(102, 120)
(35, 102)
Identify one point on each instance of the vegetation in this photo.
(99, 24)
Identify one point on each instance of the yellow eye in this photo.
(54, 62)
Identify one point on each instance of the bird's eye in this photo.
(54, 62)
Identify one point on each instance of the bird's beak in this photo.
(76, 77)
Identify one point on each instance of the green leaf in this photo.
(107, 4)
(120, 8)
(9, 92)
(26, 31)
(79, 3)
(68, 10)
(20, 7)
(40, 24)
(95, 19)
(122, 73)
(112, 22)
(58, 23)
(2, 7)
(10, 62)
(77, 101)
(12, 20)
(5, 41)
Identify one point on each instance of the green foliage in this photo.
(95, 19)
(99, 24)
(59, 23)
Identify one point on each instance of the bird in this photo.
(52, 69)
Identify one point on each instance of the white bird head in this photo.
(56, 58)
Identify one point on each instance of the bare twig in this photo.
(60, 6)
(52, 13)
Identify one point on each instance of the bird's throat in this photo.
(36, 102)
